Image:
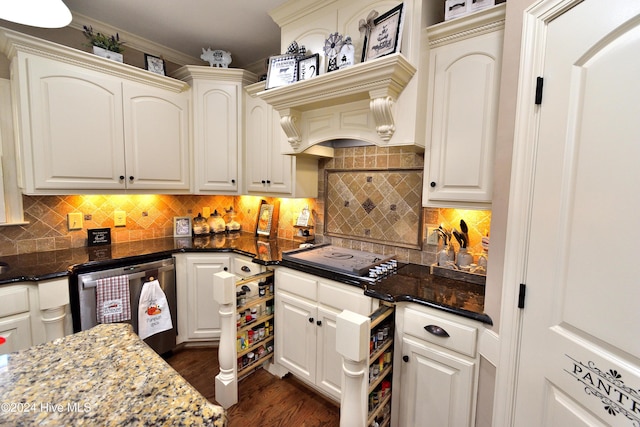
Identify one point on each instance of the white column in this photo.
(352, 342)
(224, 292)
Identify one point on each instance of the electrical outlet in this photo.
(74, 220)
(432, 236)
(119, 218)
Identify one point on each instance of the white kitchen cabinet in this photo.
(198, 317)
(267, 170)
(464, 63)
(217, 126)
(32, 313)
(88, 124)
(306, 311)
(436, 374)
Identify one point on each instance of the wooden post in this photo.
(224, 292)
(352, 342)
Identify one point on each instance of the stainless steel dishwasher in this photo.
(83, 296)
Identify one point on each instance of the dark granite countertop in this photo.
(104, 376)
(412, 282)
(52, 264)
(415, 283)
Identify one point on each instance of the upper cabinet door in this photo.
(216, 128)
(71, 126)
(462, 105)
(157, 138)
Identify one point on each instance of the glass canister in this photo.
(200, 225)
(232, 224)
(216, 223)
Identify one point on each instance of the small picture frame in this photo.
(267, 222)
(283, 70)
(181, 226)
(154, 64)
(308, 67)
(385, 36)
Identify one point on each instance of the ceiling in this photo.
(242, 27)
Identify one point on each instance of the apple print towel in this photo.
(112, 295)
(153, 310)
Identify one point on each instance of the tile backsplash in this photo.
(151, 216)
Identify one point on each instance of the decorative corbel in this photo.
(382, 109)
(289, 119)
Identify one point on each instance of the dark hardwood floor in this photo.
(264, 400)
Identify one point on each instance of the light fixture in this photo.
(36, 13)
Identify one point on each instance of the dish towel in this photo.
(113, 300)
(153, 311)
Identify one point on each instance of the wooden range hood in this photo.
(342, 104)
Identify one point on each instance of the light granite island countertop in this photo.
(104, 376)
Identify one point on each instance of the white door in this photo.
(579, 363)
(329, 361)
(203, 311)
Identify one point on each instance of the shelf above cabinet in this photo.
(380, 80)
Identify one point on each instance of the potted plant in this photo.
(109, 47)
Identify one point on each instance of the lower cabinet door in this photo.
(296, 336)
(203, 317)
(16, 333)
(329, 361)
(436, 387)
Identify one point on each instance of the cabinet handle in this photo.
(436, 330)
(121, 177)
(433, 184)
(405, 358)
(319, 323)
(310, 319)
(268, 181)
(245, 268)
(225, 268)
(131, 178)
(264, 182)
(233, 181)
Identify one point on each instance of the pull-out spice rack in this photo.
(380, 366)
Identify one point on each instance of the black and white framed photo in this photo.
(283, 70)
(308, 67)
(385, 36)
(154, 64)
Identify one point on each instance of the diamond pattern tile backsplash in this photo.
(369, 198)
(382, 206)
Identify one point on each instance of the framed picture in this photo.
(308, 67)
(282, 71)
(385, 36)
(267, 222)
(181, 226)
(154, 64)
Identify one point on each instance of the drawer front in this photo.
(462, 338)
(244, 267)
(296, 283)
(343, 297)
(14, 300)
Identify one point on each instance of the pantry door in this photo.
(576, 194)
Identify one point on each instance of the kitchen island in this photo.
(104, 376)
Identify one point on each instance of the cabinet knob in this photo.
(405, 358)
(437, 331)
(310, 319)
(264, 182)
(131, 178)
(245, 268)
(121, 177)
(433, 184)
(319, 323)
(233, 181)
(225, 268)
(268, 181)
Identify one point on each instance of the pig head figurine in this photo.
(216, 58)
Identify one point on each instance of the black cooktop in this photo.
(334, 258)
